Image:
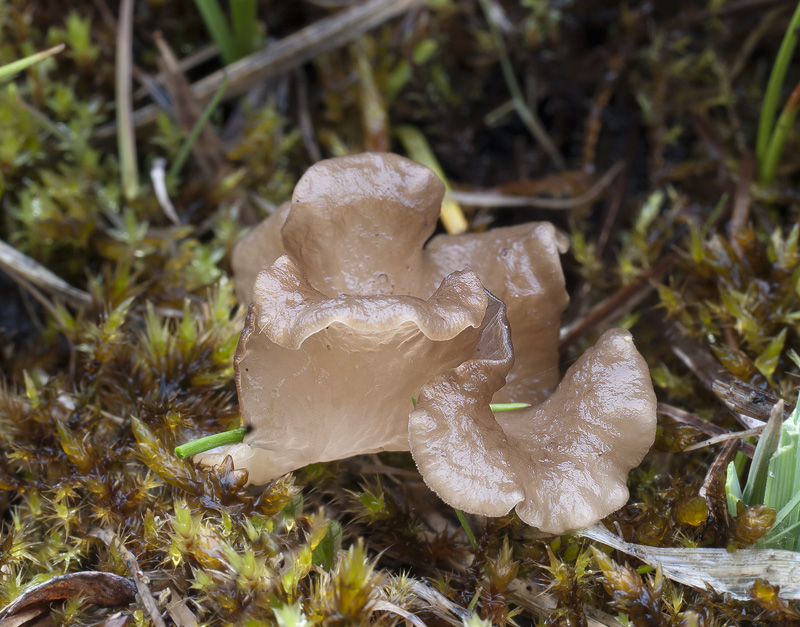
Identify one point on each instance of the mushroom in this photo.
(563, 464)
(327, 377)
(358, 224)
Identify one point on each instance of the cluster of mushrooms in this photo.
(353, 315)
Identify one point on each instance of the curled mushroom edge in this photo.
(319, 376)
(562, 464)
(353, 314)
(362, 224)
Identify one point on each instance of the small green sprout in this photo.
(201, 445)
(17, 66)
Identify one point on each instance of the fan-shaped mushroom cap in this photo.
(563, 463)
(358, 224)
(323, 378)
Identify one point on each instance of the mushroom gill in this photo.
(323, 378)
(358, 224)
(563, 464)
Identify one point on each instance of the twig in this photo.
(681, 415)
(725, 437)
(304, 117)
(286, 54)
(743, 398)
(496, 199)
(620, 303)
(112, 541)
(741, 202)
(37, 274)
(617, 194)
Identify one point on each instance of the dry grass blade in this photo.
(286, 54)
(743, 398)
(725, 572)
(724, 438)
(126, 138)
(113, 542)
(496, 199)
(526, 593)
(22, 265)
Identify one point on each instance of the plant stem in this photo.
(201, 445)
(191, 138)
(768, 166)
(527, 116)
(126, 140)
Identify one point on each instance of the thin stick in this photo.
(286, 54)
(724, 438)
(129, 559)
(495, 199)
(37, 274)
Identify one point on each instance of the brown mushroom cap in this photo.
(324, 378)
(358, 224)
(563, 463)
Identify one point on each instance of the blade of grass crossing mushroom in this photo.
(417, 147)
(201, 445)
(126, 140)
(9, 69)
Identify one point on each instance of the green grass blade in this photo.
(753, 493)
(217, 26)
(244, 24)
(467, 529)
(783, 485)
(733, 491)
(17, 66)
(508, 406)
(191, 138)
(770, 106)
(769, 165)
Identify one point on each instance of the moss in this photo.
(94, 398)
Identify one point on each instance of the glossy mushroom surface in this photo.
(563, 464)
(359, 224)
(323, 378)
